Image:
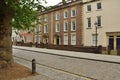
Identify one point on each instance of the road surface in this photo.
(66, 68)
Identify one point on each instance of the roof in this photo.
(60, 5)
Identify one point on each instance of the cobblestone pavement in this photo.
(48, 73)
(93, 69)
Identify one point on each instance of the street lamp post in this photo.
(96, 42)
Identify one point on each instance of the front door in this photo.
(118, 41)
(111, 42)
(57, 40)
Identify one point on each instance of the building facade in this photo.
(101, 22)
(27, 36)
(15, 36)
(80, 23)
(61, 25)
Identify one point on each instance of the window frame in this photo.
(57, 16)
(89, 9)
(65, 39)
(73, 28)
(46, 28)
(57, 28)
(39, 39)
(99, 21)
(99, 5)
(65, 26)
(66, 14)
(89, 24)
(45, 18)
(73, 41)
(94, 39)
(73, 15)
(36, 38)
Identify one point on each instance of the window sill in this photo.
(88, 11)
(73, 16)
(65, 17)
(99, 26)
(57, 19)
(88, 28)
(57, 31)
(65, 31)
(99, 10)
(45, 32)
(73, 30)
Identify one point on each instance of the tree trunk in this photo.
(6, 58)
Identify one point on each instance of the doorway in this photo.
(118, 41)
(111, 42)
(57, 40)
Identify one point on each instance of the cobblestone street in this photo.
(66, 68)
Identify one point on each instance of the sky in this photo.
(52, 2)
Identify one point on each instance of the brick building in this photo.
(61, 25)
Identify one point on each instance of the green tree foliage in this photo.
(25, 11)
(19, 14)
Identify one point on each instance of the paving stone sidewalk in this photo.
(85, 55)
(37, 77)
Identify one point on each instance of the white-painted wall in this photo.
(110, 14)
(15, 37)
